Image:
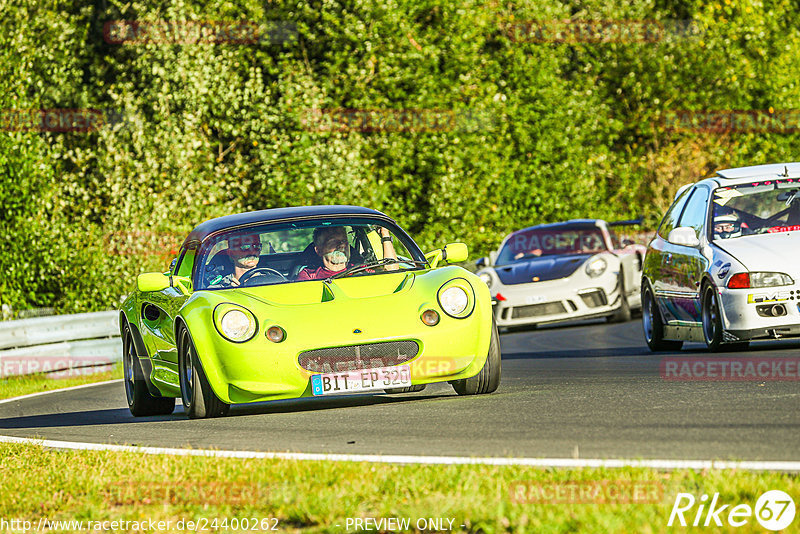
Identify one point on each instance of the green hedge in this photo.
(542, 131)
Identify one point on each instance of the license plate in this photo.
(361, 380)
(534, 299)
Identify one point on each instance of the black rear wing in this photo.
(631, 222)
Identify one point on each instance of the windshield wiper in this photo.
(379, 263)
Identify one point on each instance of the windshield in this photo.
(551, 242)
(756, 208)
(281, 253)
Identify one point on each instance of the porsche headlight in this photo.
(457, 298)
(770, 279)
(487, 278)
(235, 323)
(596, 267)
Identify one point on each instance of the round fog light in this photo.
(275, 334)
(430, 317)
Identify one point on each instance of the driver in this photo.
(244, 252)
(727, 225)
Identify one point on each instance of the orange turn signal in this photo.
(430, 317)
(275, 334)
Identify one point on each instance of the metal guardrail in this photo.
(60, 344)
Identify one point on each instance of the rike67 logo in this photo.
(774, 510)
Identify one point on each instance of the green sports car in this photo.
(303, 302)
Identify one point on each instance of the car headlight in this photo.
(235, 323)
(596, 267)
(457, 298)
(487, 278)
(770, 279)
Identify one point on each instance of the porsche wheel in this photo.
(623, 313)
(712, 320)
(409, 389)
(140, 402)
(488, 379)
(199, 400)
(653, 325)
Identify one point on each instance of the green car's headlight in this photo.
(235, 323)
(457, 298)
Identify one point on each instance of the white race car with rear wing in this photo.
(570, 270)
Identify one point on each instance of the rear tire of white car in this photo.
(199, 400)
(711, 319)
(653, 325)
(409, 389)
(488, 379)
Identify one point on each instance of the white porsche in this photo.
(724, 267)
(563, 271)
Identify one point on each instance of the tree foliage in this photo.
(539, 130)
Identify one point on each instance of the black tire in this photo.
(488, 379)
(653, 325)
(409, 389)
(199, 400)
(623, 313)
(140, 402)
(711, 319)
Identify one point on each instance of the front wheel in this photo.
(140, 402)
(712, 320)
(199, 400)
(623, 313)
(488, 379)
(653, 326)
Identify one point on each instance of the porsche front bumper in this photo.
(565, 299)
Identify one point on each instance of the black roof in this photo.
(203, 230)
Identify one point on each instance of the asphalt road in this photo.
(587, 391)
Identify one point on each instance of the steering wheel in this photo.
(252, 272)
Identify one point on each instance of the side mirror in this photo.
(182, 284)
(455, 252)
(482, 262)
(684, 236)
(148, 282)
(451, 253)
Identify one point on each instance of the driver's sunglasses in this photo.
(245, 248)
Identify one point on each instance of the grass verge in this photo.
(15, 386)
(320, 496)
